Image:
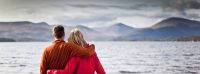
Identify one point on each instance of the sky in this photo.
(98, 13)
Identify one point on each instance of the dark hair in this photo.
(58, 31)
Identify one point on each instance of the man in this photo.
(59, 52)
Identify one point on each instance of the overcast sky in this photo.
(97, 13)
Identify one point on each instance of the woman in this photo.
(80, 65)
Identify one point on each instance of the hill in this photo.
(166, 29)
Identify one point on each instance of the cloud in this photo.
(85, 19)
(180, 6)
(139, 22)
(136, 13)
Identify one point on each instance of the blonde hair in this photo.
(76, 37)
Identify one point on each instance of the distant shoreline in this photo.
(7, 40)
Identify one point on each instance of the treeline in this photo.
(7, 40)
(189, 38)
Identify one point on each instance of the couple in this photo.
(72, 57)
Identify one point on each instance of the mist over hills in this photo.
(173, 28)
(116, 30)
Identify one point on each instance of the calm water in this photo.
(116, 57)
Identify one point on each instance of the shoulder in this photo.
(94, 56)
(48, 47)
(46, 50)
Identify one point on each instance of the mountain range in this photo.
(25, 31)
(168, 29)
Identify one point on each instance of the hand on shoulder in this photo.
(91, 46)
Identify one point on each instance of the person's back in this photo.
(57, 54)
(87, 65)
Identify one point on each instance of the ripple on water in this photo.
(193, 67)
(191, 72)
(176, 66)
(188, 54)
(22, 65)
(134, 72)
(16, 57)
